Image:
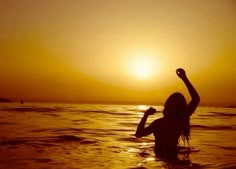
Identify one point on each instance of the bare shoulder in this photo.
(157, 121)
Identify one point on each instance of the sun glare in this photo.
(143, 66)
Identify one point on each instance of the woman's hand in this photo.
(150, 111)
(181, 73)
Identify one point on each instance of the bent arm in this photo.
(141, 127)
(142, 131)
(194, 95)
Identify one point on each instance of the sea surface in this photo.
(81, 136)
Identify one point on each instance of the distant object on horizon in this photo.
(21, 102)
(5, 100)
(231, 106)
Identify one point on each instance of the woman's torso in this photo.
(167, 135)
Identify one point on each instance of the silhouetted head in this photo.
(175, 106)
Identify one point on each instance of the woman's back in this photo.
(167, 135)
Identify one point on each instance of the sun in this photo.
(143, 66)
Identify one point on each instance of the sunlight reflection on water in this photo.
(142, 107)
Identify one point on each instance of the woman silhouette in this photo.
(174, 124)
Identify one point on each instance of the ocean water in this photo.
(76, 136)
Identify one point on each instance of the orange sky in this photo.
(91, 50)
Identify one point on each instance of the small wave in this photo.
(222, 147)
(228, 166)
(52, 114)
(80, 120)
(98, 132)
(225, 114)
(56, 130)
(13, 142)
(129, 139)
(227, 148)
(135, 140)
(7, 123)
(47, 141)
(213, 127)
(130, 124)
(64, 138)
(220, 114)
(32, 109)
(105, 112)
(39, 160)
(72, 138)
(43, 160)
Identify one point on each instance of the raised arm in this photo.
(141, 130)
(193, 93)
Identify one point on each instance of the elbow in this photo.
(138, 135)
(197, 99)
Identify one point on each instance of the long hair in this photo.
(175, 108)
